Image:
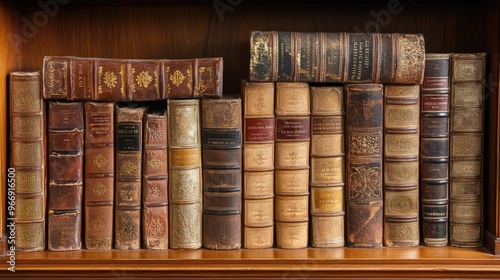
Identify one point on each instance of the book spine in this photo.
(258, 164)
(185, 174)
(208, 77)
(110, 80)
(143, 80)
(466, 149)
(364, 194)
(128, 156)
(401, 154)
(434, 149)
(221, 142)
(28, 159)
(55, 75)
(327, 181)
(292, 164)
(177, 78)
(155, 182)
(99, 175)
(65, 162)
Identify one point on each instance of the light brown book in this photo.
(185, 174)
(292, 164)
(28, 160)
(327, 180)
(258, 164)
(466, 149)
(401, 165)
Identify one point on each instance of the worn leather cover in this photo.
(143, 80)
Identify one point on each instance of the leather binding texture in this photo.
(401, 154)
(28, 158)
(391, 58)
(327, 181)
(364, 144)
(221, 142)
(258, 163)
(65, 163)
(466, 149)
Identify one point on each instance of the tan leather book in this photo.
(65, 162)
(155, 181)
(292, 164)
(401, 164)
(185, 174)
(99, 175)
(28, 160)
(364, 191)
(128, 176)
(466, 149)
(327, 180)
(258, 164)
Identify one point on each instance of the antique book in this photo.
(106, 79)
(128, 176)
(99, 174)
(28, 159)
(258, 164)
(222, 155)
(327, 180)
(155, 181)
(291, 164)
(185, 174)
(466, 149)
(434, 149)
(401, 164)
(65, 167)
(336, 57)
(364, 191)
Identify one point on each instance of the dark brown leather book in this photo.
(28, 160)
(99, 175)
(336, 57)
(401, 154)
(434, 149)
(128, 176)
(155, 182)
(65, 163)
(364, 193)
(221, 142)
(466, 149)
(327, 181)
(185, 174)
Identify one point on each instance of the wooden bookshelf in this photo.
(177, 29)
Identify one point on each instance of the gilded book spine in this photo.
(65, 148)
(99, 175)
(327, 179)
(292, 164)
(185, 174)
(434, 149)
(258, 156)
(28, 158)
(401, 154)
(155, 182)
(466, 149)
(364, 202)
(221, 138)
(128, 155)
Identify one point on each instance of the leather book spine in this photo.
(28, 158)
(177, 78)
(99, 174)
(466, 149)
(128, 176)
(401, 155)
(409, 58)
(208, 77)
(81, 78)
(110, 80)
(327, 180)
(221, 142)
(434, 149)
(262, 48)
(332, 49)
(155, 182)
(258, 164)
(285, 56)
(364, 193)
(360, 59)
(55, 73)
(65, 162)
(292, 111)
(307, 56)
(185, 174)
(143, 80)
